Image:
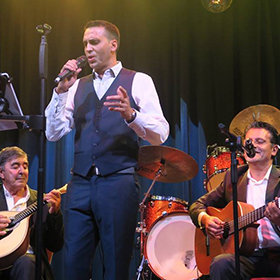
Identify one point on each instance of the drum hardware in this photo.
(164, 214)
(164, 164)
(141, 267)
(210, 147)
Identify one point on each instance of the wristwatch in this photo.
(133, 116)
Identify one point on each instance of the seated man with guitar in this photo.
(17, 259)
(258, 187)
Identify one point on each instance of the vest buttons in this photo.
(93, 157)
(97, 131)
(94, 144)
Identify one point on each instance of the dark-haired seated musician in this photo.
(15, 195)
(257, 185)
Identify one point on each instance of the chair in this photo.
(50, 255)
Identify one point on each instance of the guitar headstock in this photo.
(63, 189)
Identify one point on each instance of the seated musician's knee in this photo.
(222, 262)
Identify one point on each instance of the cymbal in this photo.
(261, 112)
(175, 166)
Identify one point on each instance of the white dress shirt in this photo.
(19, 206)
(149, 123)
(256, 194)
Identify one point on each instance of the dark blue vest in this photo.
(102, 136)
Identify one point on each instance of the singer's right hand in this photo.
(213, 225)
(64, 85)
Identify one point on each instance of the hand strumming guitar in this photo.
(4, 222)
(213, 225)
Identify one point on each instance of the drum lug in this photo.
(204, 169)
(164, 214)
(170, 204)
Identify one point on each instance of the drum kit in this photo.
(166, 230)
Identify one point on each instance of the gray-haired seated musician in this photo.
(15, 195)
(257, 185)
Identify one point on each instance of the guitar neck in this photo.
(251, 217)
(31, 209)
(24, 214)
(247, 219)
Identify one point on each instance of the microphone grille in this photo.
(81, 61)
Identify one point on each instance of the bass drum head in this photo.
(170, 248)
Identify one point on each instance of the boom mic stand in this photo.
(234, 144)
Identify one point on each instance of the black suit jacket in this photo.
(222, 195)
(53, 231)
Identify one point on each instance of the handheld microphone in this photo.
(81, 62)
(249, 148)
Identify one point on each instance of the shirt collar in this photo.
(265, 178)
(113, 71)
(9, 196)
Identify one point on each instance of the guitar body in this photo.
(15, 243)
(247, 238)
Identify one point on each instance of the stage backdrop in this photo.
(206, 67)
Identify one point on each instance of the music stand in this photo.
(10, 110)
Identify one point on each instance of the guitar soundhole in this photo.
(226, 230)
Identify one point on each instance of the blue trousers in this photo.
(105, 210)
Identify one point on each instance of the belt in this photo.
(94, 171)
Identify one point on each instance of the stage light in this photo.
(216, 6)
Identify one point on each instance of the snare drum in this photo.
(216, 164)
(169, 244)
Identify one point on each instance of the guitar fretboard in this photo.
(25, 213)
(247, 219)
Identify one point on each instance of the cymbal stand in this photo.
(142, 227)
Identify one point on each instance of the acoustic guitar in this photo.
(207, 248)
(16, 241)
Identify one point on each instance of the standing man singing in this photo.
(111, 109)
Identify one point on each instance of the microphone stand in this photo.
(234, 144)
(43, 73)
(233, 169)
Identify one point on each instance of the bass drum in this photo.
(169, 247)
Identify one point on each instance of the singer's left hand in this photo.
(120, 103)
